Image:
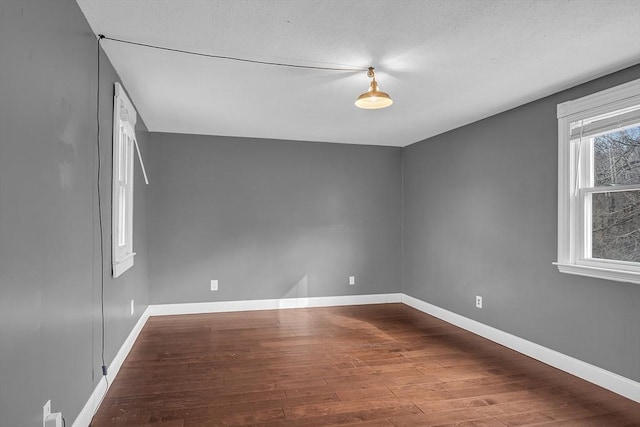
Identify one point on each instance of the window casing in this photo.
(599, 184)
(124, 122)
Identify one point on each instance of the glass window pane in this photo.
(122, 156)
(127, 154)
(616, 157)
(122, 223)
(615, 232)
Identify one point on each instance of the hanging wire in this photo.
(100, 208)
(100, 226)
(231, 58)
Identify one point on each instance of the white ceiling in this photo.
(445, 63)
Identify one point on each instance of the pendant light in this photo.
(373, 98)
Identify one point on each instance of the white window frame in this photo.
(124, 138)
(573, 164)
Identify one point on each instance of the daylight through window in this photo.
(599, 184)
(124, 121)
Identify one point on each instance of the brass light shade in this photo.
(373, 98)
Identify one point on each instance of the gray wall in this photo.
(269, 219)
(50, 339)
(272, 219)
(480, 218)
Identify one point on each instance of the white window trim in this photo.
(124, 119)
(569, 224)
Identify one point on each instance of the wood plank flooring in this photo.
(369, 366)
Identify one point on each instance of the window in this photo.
(124, 122)
(599, 184)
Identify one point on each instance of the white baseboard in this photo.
(614, 382)
(86, 414)
(271, 304)
(606, 379)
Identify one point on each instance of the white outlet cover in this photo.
(478, 301)
(46, 410)
(352, 280)
(214, 285)
(133, 307)
(54, 420)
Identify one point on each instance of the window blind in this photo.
(587, 129)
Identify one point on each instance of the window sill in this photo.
(600, 273)
(123, 265)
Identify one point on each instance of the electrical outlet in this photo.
(133, 307)
(478, 301)
(46, 411)
(352, 280)
(214, 285)
(54, 420)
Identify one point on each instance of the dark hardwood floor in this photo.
(373, 365)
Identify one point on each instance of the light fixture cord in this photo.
(98, 177)
(100, 226)
(231, 58)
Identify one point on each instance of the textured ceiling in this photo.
(445, 63)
